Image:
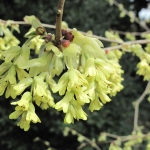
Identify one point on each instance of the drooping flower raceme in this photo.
(87, 75)
(91, 77)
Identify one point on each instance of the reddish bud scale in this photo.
(67, 35)
(48, 37)
(65, 43)
(106, 51)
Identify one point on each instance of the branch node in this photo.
(58, 13)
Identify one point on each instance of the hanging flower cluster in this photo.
(144, 56)
(87, 74)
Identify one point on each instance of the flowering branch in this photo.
(141, 98)
(132, 33)
(128, 42)
(94, 36)
(54, 27)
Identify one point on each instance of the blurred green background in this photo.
(115, 117)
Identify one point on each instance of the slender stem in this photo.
(46, 143)
(54, 27)
(126, 138)
(112, 135)
(132, 33)
(104, 39)
(128, 42)
(25, 23)
(92, 143)
(141, 98)
(95, 36)
(58, 21)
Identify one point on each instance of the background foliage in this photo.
(116, 117)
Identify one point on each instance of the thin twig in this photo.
(46, 143)
(113, 135)
(92, 143)
(132, 33)
(25, 23)
(54, 27)
(126, 138)
(95, 36)
(126, 43)
(103, 38)
(141, 98)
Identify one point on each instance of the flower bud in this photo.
(40, 31)
(69, 36)
(65, 43)
(106, 51)
(48, 37)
